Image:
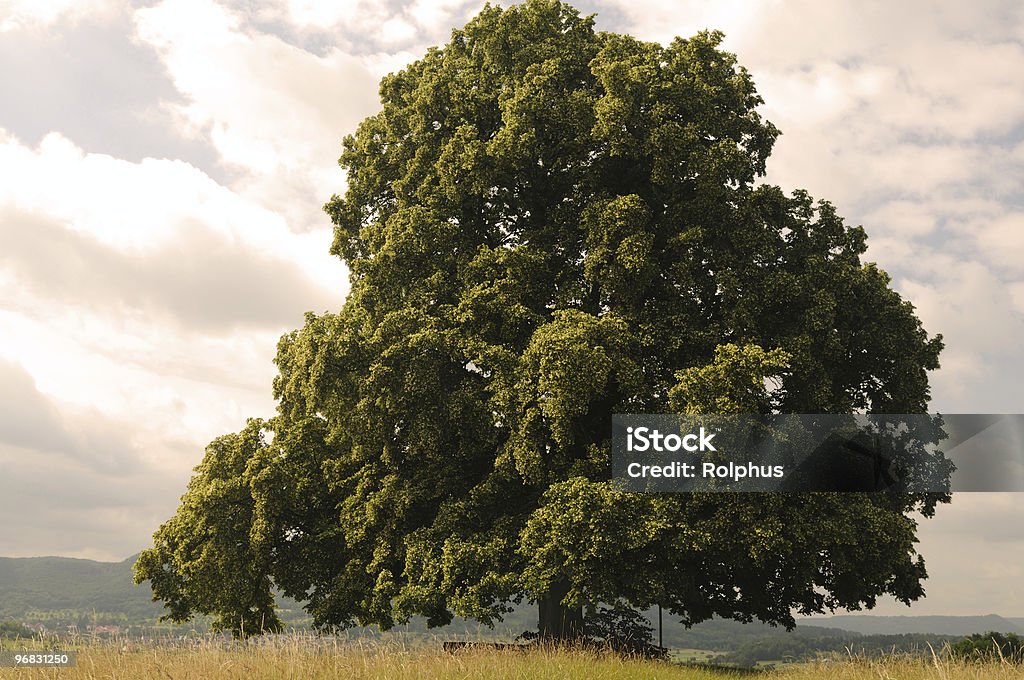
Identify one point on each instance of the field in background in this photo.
(307, 657)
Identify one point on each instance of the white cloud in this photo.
(663, 20)
(438, 17)
(396, 31)
(330, 14)
(380, 24)
(1002, 238)
(1017, 295)
(76, 480)
(968, 304)
(121, 269)
(275, 112)
(958, 89)
(983, 330)
(166, 383)
(983, 526)
(821, 93)
(913, 218)
(150, 296)
(36, 14)
(141, 208)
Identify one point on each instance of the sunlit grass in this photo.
(307, 657)
(938, 668)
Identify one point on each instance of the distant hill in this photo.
(37, 585)
(61, 591)
(937, 625)
(57, 592)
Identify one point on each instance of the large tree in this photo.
(545, 225)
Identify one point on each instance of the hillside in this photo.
(936, 625)
(60, 591)
(34, 586)
(56, 592)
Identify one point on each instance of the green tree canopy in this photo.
(546, 224)
(989, 647)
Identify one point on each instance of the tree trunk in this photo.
(556, 622)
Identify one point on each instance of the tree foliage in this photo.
(991, 646)
(623, 630)
(12, 630)
(207, 558)
(546, 224)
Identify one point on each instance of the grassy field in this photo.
(310, 658)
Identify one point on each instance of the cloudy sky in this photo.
(162, 168)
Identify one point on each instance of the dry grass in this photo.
(307, 658)
(901, 669)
